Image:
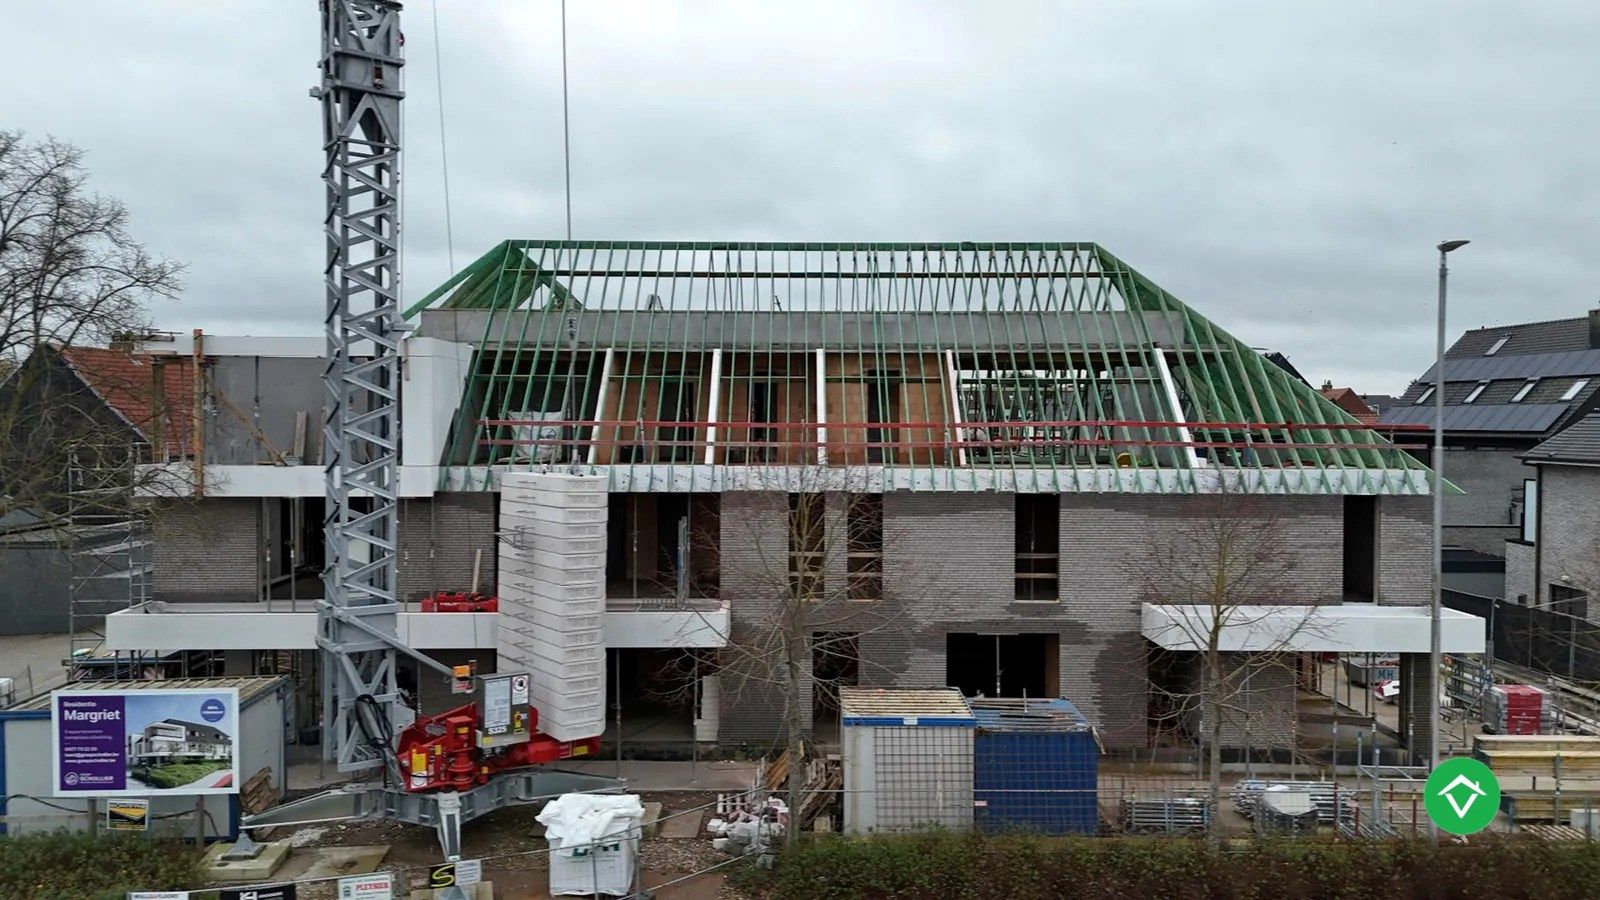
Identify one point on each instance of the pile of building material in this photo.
(1517, 709)
(552, 566)
(1165, 814)
(1325, 796)
(1543, 777)
(745, 831)
(820, 784)
(1285, 809)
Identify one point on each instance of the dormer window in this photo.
(1495, 348)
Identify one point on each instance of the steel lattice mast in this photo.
(361, 94)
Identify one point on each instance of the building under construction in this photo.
(967, 458)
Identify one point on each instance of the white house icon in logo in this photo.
(1472, 793)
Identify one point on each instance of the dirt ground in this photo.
(511, 844)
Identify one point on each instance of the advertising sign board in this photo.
(108, 742)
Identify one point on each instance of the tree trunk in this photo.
(796, 740)
(1213, 707)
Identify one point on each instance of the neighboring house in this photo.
(171, 740)
(1351, 402)
(1281, 360)
(70, 417)
(1507, 388)
(1555, 561)
(998, 431)
(1379, 403)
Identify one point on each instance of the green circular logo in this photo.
(1461, 796)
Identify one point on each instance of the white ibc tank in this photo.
(552, 596)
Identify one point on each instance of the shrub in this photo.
(966, 865)
(64, 866)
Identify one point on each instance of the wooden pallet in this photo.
(258, 793)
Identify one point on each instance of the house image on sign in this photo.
(1471, 794)
(176, 740)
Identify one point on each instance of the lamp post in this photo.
(1434, 655)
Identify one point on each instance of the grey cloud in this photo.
(1284, 167)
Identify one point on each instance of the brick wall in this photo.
(1569, 539)
(438, 537)
(1405, 550)
(947, 561)
(1519, 572)
(1258, 707)
(208, 549)
(1109, 544)
(754, 573)
(1489, 480)
(949, 568)
(1416, 683)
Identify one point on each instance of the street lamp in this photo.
(1434, 656)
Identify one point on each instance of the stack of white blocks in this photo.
(553, 597)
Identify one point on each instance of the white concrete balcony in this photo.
(280, 625)
(1341, 628)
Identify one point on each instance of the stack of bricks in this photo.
(552, 597)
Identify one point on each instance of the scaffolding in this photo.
(1056, 361)
(112, 558)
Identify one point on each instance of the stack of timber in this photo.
(1543, 777)
(258, 793)
(820, 784)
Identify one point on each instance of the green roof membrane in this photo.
(1054, 358)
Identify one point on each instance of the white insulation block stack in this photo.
(553, 597)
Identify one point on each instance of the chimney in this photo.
(1594, 329)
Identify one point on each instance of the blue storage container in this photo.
(1036, 767)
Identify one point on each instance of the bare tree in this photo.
(1222, 568)
(814, 594)
(71, 275)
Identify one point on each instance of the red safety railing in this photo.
(1003, 442)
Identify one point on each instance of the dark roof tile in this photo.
(1579, 442)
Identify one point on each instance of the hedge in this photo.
(952, 865)
(63, 866)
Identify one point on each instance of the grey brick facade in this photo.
(754, 564)
(209, 549)
(1520, 585)
(1569, 532)
(949, 568)
(438, 537)
(1405, 551)
(1480, 517)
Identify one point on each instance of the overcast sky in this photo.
(1284, 167)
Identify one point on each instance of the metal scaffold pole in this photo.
(361, 94)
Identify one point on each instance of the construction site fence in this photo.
(1544, 640)
(1380, 803)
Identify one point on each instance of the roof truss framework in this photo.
(1057, 359)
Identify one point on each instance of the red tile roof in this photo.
(1351, 402)
(125, 382)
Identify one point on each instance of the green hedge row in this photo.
(952, 865)
(62, 866)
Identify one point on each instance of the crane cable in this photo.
(566, 139)
(444, 147)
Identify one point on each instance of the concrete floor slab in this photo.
(34, 661)
(686, 826)
(244, 871)
(332, 862)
